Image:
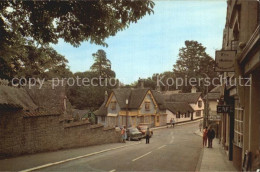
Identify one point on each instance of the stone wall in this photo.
(25, 135)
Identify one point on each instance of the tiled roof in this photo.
(181, 107)
(183, 97)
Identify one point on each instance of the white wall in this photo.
(196, 107)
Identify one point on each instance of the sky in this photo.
(152, 44)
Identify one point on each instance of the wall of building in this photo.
(20, 135)
(196, 107)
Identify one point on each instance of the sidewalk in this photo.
(214, 159)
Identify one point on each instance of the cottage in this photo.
(193, 99)
(180, 111)
(131, 107)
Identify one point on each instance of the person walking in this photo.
(173, 122)
(205, 136)
(147, 135)
(200, 125)
(123, 134)
(211, 136)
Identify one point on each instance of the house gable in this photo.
(148, 105)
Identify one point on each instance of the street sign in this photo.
(224, 109)
(225, 61)
(214, 118)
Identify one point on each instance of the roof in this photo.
(80, 113)
(12, 97)
(183, 97)
(102, 111)
(158, 96)
(217, 89)
(212, 96)
(41, 113)
(135, 97)
(182, 107)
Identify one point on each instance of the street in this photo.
(170, 149)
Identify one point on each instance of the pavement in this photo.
(214, 159)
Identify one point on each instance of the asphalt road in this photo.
(170, 149)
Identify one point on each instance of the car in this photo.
(142, 128)
(133, 134)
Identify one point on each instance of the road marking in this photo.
(141, 156)
(71, 159)
(172, 140)
(112, 170)
(162, 147)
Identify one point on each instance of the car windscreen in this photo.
(134, 130)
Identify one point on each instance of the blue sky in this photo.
(152, 45)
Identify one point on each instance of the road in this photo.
(170, 149)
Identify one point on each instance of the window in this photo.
(178, 115)
(238, 135)
(113, 105)
(200, 104)
(102, 118)
(198, 113)
(147, 105)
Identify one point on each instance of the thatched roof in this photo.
(183, 97)
(135, 98)
(102, 111)
(179, 107)
(11, 97)
(159, 99)
(80, 113)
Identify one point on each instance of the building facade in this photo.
(241, 127)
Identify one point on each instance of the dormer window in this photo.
(147, 105)
(113, 105)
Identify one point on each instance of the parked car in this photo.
(133, 134)
(143, 127)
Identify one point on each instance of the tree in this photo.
(74, 21)
(193, 61)
(102, 65)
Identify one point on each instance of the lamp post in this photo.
(205, 123)
(126, 102)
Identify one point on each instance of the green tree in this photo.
(102, 65)
(74, 21)
(193, 61)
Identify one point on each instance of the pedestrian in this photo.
(205, 137)
(173, 122)
(211, 136)
(147, 135)
(123, 134)
(200, 125)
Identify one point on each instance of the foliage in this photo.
(74, 21)
(102, 65)
(194, 62)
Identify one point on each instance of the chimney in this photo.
(141, 81)
(193, 89)
(106, 96)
